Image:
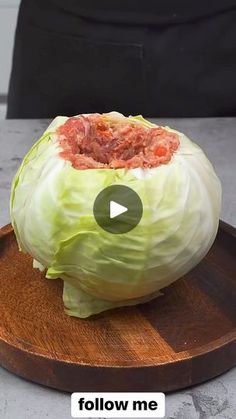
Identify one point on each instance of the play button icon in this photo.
(117, 209)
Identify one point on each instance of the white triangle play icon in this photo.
(116, 209)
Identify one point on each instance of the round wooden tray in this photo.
(182, 338)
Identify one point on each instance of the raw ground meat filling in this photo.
(94, 141)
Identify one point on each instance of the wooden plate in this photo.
(183, 338)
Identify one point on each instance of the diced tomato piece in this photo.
(160, 151)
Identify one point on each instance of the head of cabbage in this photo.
(51, 210)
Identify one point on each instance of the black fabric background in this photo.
(65, 63)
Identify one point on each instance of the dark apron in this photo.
(68, 63)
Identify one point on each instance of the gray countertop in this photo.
(215, 399)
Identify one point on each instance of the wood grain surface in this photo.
(182, 338)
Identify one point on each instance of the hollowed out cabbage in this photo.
(52, 215)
